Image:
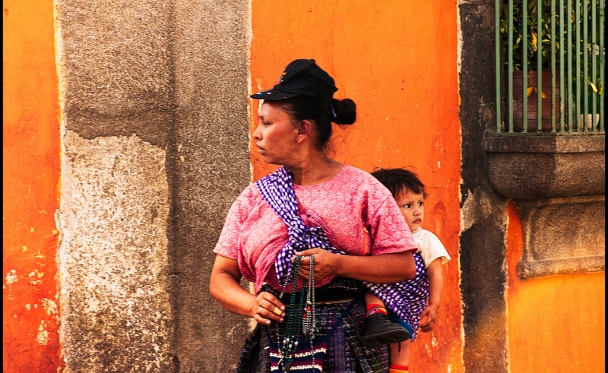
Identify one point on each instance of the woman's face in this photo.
(275, 135)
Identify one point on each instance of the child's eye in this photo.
(420, 204)
(407, 206)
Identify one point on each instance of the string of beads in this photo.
(300, 316)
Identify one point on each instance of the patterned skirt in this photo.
(339, 322)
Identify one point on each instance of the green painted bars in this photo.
(560, 42)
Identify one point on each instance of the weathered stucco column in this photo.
(483, 211)
(211, 167)
(155, 148)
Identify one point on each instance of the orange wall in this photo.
(397, 61)
(556, 324)
(31, 175)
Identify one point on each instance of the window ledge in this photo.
(557, 184)
(546, 166)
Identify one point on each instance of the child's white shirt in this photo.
(430, 247)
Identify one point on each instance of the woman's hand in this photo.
(225, 287)
(326, 263)
(267, 308)
(381, 269)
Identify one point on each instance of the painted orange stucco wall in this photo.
(398, 61)
(31, 165)
(556, 324)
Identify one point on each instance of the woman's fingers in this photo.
(304, 272)
(324, 262)
(267, 308)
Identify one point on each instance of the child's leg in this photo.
(400, 357)
(379, 329)
(374, 304)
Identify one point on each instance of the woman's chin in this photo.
(270, 160)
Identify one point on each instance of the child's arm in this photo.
(429, 314)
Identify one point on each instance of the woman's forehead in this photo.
(272, 109)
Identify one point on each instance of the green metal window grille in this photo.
(550, 63)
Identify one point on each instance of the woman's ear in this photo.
(304, 131)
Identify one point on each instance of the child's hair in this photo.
(398, 180)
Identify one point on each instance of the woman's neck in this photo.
(315, 169)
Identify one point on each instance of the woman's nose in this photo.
(257, 133)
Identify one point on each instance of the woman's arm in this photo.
(379, 269)
(225, 287)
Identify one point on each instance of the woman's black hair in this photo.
(322, 113)
(398, 180)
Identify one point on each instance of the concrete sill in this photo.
(557, 184)
(546, 166)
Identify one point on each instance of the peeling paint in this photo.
(43, 335)
(11, 277)
(50, 307)
(434, 342)
(30, 185)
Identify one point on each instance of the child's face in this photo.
(412, 208)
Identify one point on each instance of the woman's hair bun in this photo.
(344, 111)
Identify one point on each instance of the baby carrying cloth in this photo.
(405, 299)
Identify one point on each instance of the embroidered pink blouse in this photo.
(356, 211)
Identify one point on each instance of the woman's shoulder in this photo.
(358, 176)
(352, 171)
(250, 196)
(363, 182)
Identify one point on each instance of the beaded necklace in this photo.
(309, 315)
(308, 319)
(300, 319)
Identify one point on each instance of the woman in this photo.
(295, 227)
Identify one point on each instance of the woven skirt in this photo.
(341, 322)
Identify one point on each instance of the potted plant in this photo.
(539, 38)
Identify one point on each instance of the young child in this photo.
(409, 193)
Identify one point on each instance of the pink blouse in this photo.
(358, 214)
